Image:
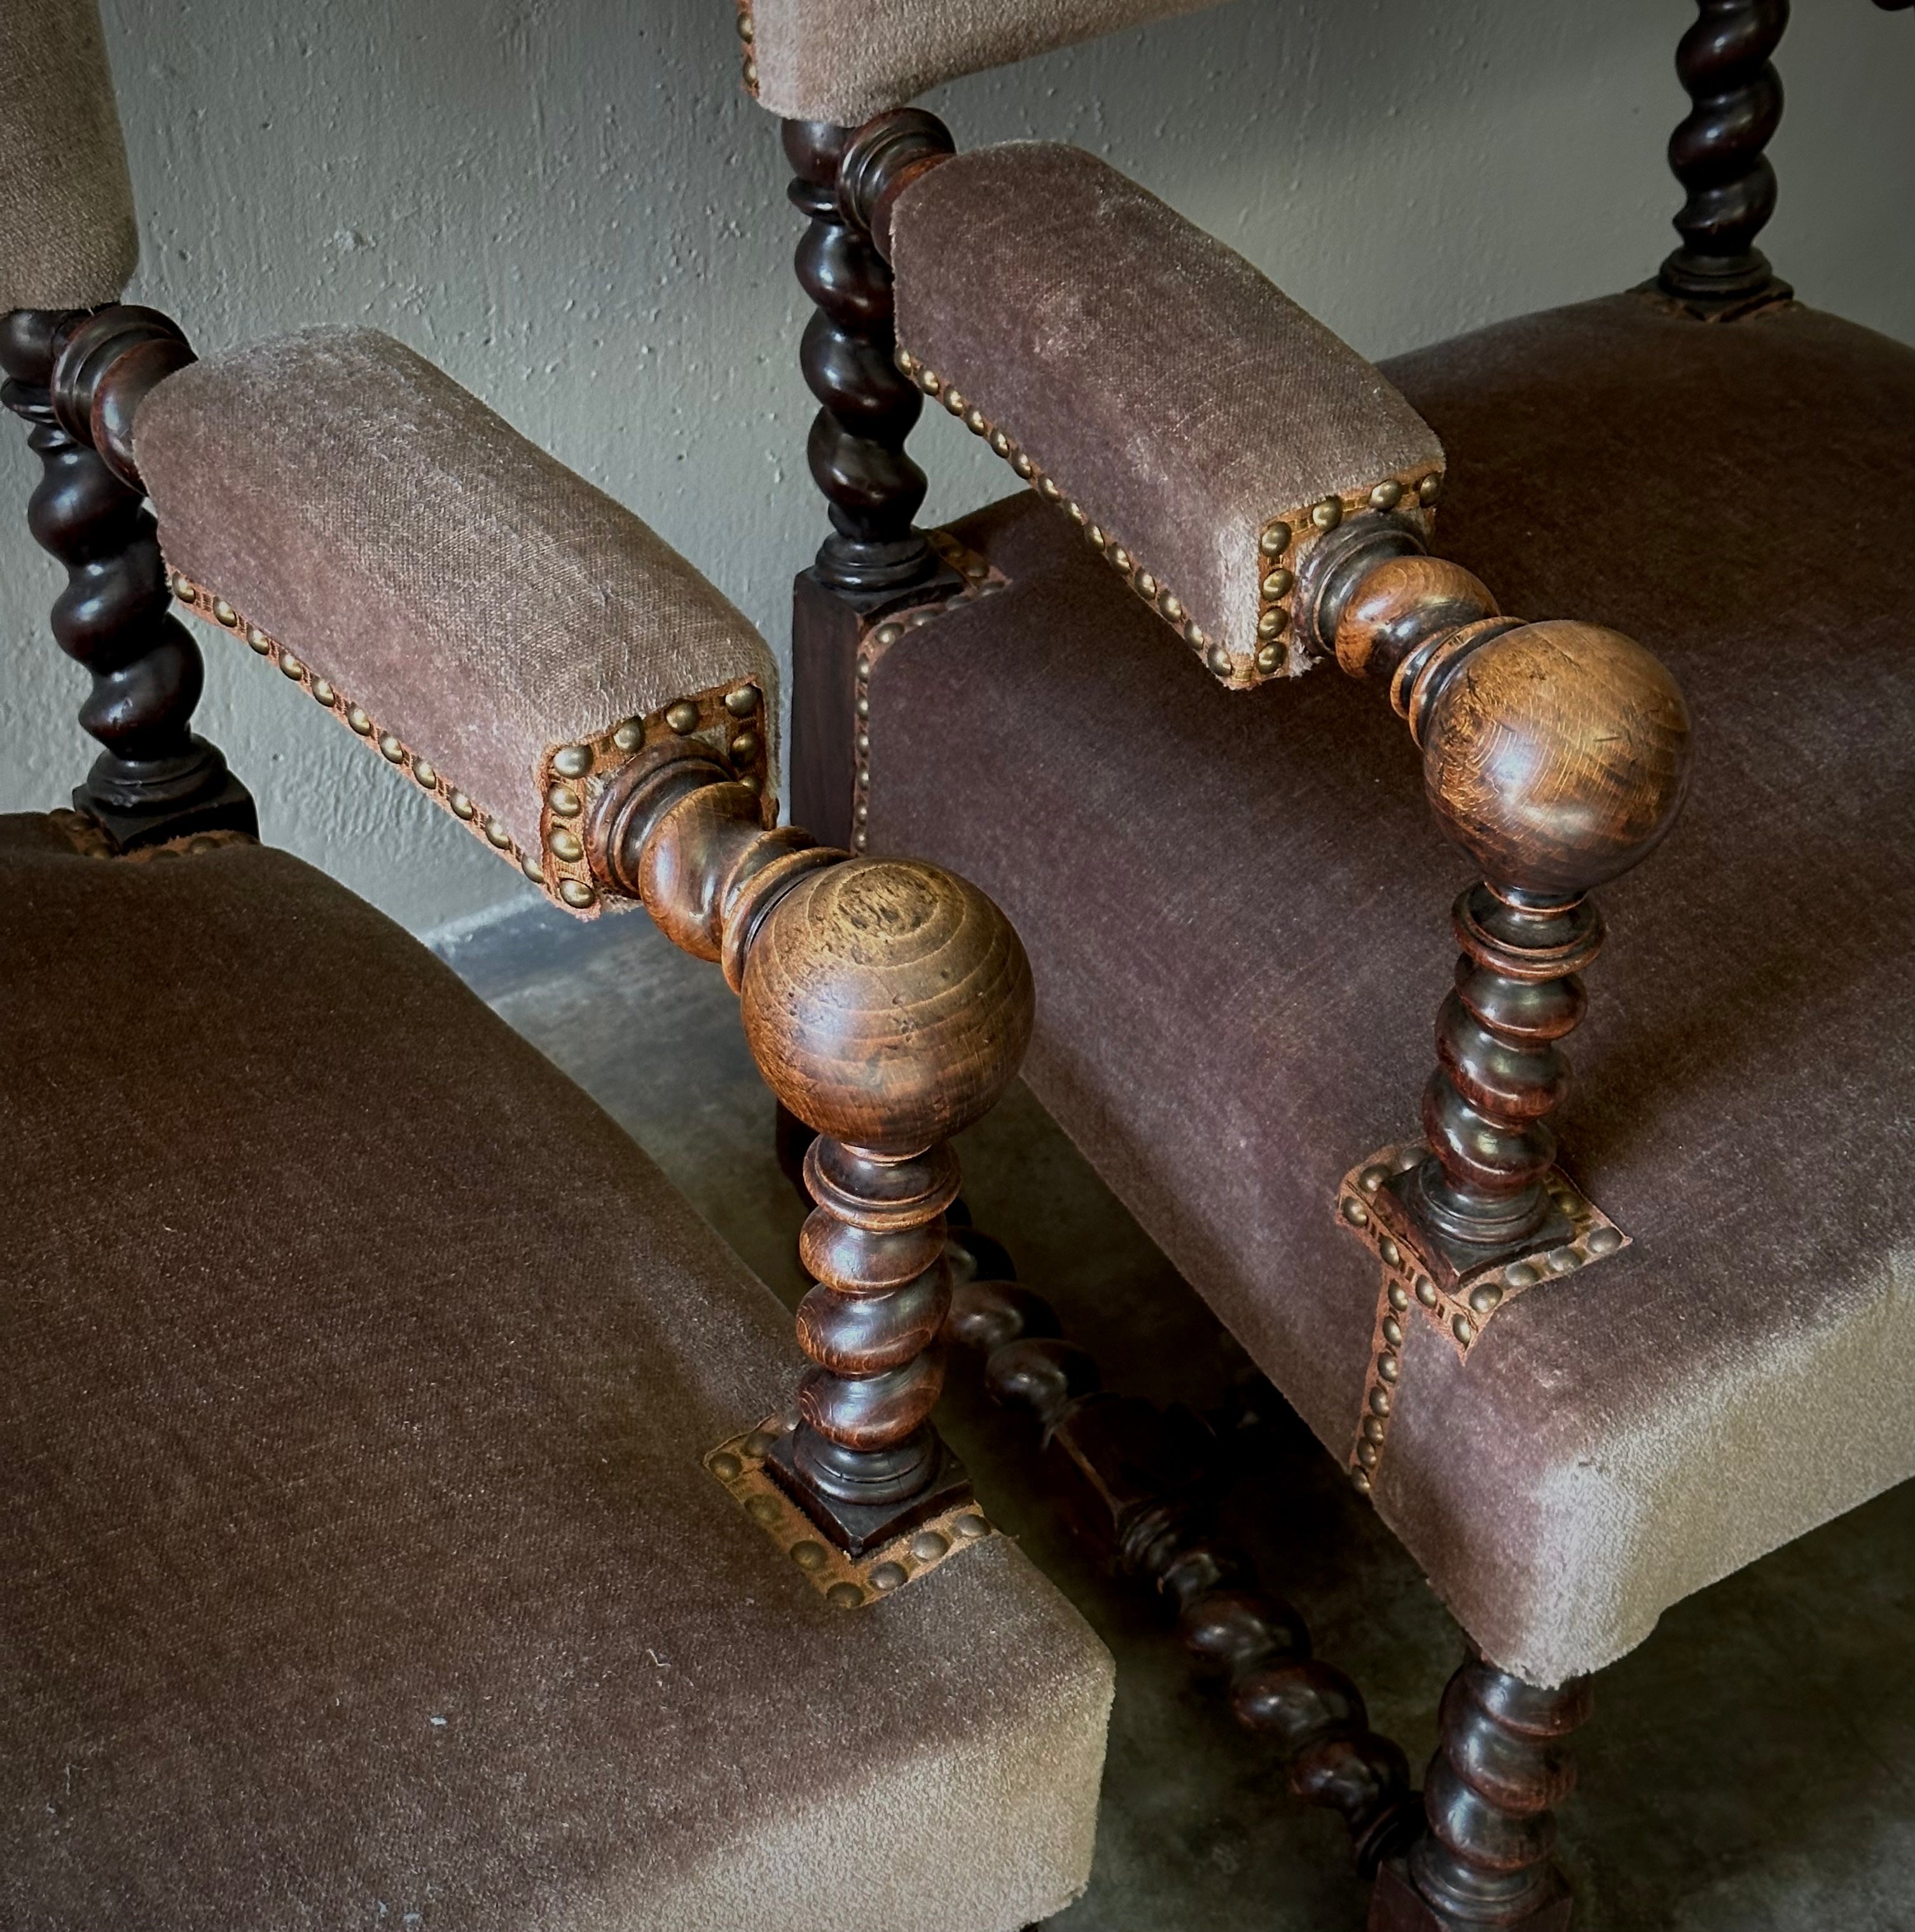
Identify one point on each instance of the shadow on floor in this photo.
(1751, 1768)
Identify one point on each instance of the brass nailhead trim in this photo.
(354, 717)
(563, 768)
(1461, 1315)
(571, 776)
(1281, 543)
(748, 36)
(1121, 558)
(844, 1583)
(1278, 547)
(980, 580)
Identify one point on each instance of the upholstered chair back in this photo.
(844, 60)
(68, 235)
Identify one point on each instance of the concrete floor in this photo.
(1751, 1768)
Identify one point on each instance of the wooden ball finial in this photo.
(887, 1003)
(1556, 754)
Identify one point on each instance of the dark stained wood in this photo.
(826, 630)
(1136, 1485)
(1556, 754)
(154, 780)
(880, 161)
(1503, 1764)
(887, 1005)
(1717, 155)
(856, 446)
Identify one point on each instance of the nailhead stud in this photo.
(1386, 496)
(1275, 540)
(743, 702)
(572, 761)
(682, 717)
(576, 893)
(391, 750)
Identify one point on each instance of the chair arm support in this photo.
(503, 632)
(1556, 754)
(887, 1004)
(1199, 427)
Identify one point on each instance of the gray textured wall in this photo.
(569, 205)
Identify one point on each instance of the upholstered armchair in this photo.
(1585, 1351)
(410, 1511)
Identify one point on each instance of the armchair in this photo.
(411, 1510)
(1578, 1382)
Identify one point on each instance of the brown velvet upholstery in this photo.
(1236, 908)
(483, 603)
(846, 60)
(1184, 403)
(357, 1561)
(68, 239)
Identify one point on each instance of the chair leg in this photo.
(1503, 1764)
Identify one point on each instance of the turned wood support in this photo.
(1503, 1764)
(857, 449)
(78, 377)
(1136, 1484)
(887, 1004)
(1556, 755)
(1716, 153)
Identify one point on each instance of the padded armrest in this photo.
(1198, 424)
(498, 628)
(68, 235)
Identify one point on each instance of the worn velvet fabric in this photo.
(1237, 910)
(482, 602)
(357, 1567)
(1177, 395)
(68, 235)
(846, 60)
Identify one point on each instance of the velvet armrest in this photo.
(1200, 426)
(498, 629)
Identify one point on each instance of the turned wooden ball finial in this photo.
(887, 1003)
(1555, 754)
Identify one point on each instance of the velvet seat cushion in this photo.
(1236, 907)
(357, 1565)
